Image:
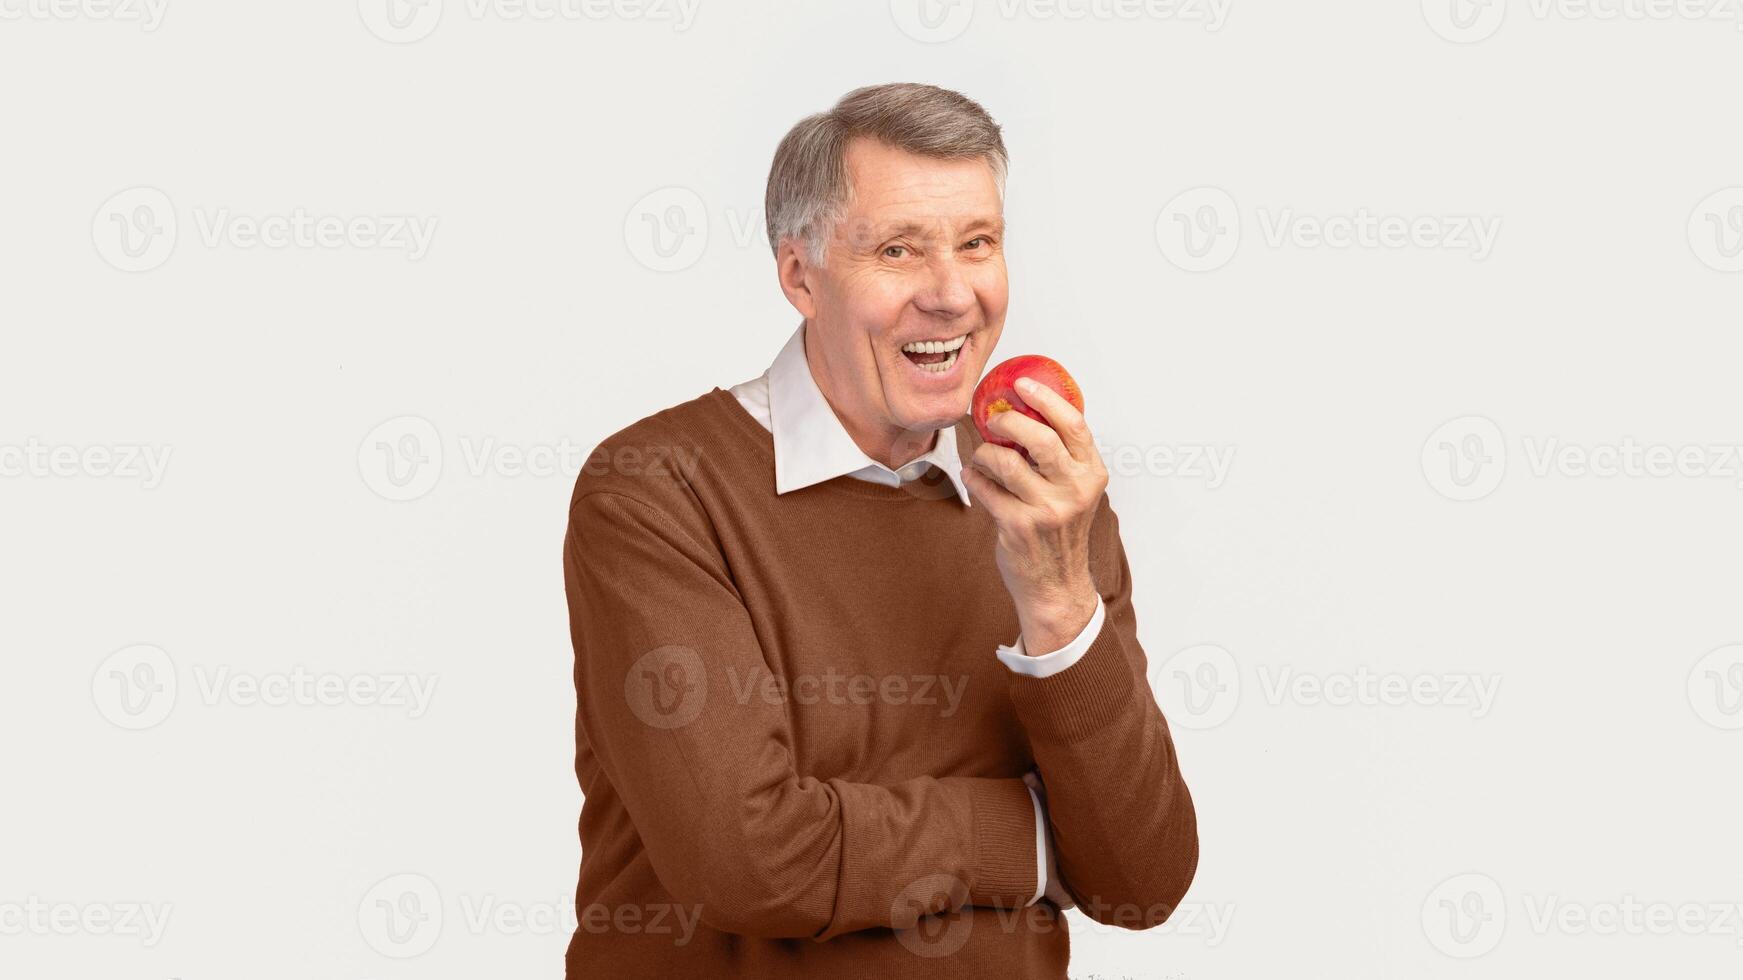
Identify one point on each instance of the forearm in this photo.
(1124, 825)
(728, 822)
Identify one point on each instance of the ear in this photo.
(793, 266)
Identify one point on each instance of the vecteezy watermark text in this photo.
(1201, 229)
(138, 229)
(1200, 687)
(121, 461)
(408, 21)
(404, 458)
(841, 688)
(936, 21)
(1467, 458)
(148, 14)
(403, 915)
(36, 917)
(138, 686)
(1467, 915)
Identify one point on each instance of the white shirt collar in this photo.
(812, 446)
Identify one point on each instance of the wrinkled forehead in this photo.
(892, 193)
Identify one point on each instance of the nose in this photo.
(946, 291)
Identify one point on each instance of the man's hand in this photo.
(1043, 513)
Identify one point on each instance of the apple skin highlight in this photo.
(997, 393)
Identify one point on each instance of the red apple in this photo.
(997, 393)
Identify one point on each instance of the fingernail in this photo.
(1026, 385)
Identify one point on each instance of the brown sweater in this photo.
(795, 741)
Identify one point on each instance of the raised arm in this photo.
(1124, 828)
(710, 784)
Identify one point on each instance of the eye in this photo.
(982, 239)
(895, 251)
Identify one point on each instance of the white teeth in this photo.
(936, 346)
(941, 366)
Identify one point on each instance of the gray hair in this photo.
(808, 187)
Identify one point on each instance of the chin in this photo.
(934, 412)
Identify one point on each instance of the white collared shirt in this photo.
(811, 446)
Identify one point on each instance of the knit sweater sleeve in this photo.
(664, 646)
(1124, 826)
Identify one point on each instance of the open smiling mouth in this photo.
(936, 357)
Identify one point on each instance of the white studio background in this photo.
(1411, 332)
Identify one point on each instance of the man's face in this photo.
(919, 256)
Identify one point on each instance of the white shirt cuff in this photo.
(1040, 848)
(1048, 664)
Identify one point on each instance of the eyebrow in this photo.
(911, 227)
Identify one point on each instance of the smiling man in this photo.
(860, 695)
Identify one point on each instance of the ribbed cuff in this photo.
(1080, 700)
(1004, 833)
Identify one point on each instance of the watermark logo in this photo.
(121, 461)
(1716, 230)
(1464, 21)
(299, 228)
(936, 21)
(1210, 464)
(135, 229)
(1465, 458)
(940, 691)
(135, 687)
(148, 14)
(400, 21)
(921, 478)
(404, 915)
(401, 916)
(1715, 688)
(932, 21)
(667, 686)
(1465, 915)
(405, 458)
(918, 925)
(1286, 685)
(667, 230)
(406, 21)
(1199, 229)
(401, 459)
(305, 688)
(1469, 21)
(35, 917)
(1364, 229)
(1199, 687)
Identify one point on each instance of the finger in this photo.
(986, 491)
(1011, 471)
(1043, 444)
(1063, 416)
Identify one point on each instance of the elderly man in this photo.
(806, 747)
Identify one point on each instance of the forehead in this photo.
(891, 184)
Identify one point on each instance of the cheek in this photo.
(991, 288)
(880, 299)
